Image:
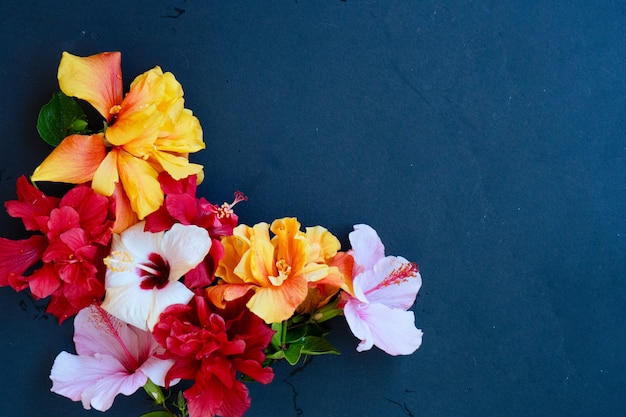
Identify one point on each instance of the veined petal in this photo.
(185, 246)
(94, 380)
(74, 161)
(139, 180)
(16, 256)
(393, 281)
(96, 79)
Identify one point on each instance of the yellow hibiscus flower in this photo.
(147, 131)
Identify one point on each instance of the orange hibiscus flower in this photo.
(280, 270)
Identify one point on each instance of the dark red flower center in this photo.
(155, 272)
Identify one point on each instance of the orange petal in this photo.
(75, 160)
(220, 294)
(96, 79)
(140, 183)
(124, 214)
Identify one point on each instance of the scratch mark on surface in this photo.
(297, 409)
(409, 413)
(179, 12)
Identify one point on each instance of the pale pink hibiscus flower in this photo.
(383, 288)
(144, 269)
(112, 358)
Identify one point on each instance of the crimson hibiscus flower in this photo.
(211, 345)
(74, 238)
(182, 206)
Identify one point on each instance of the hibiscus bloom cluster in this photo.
(164, 285)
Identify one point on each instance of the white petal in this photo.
(184, 247)
(140, 244)
(172, 293)
(130, 303)
(156, 369)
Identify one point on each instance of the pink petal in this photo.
(94, 380)
(392, 330)
(393, 281)
(98, 332)
(367, 247)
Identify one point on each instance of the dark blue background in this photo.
(485, 140)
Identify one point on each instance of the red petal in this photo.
(16, 256)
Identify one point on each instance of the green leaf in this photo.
(314, 345)
(293, 353)
(276, 339)
(59, 118)
(156, 414)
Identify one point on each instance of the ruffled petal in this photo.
(74, 161)
(274, 304)
(96, 79)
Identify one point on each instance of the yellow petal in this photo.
(274, 304)
(106, 176)
(96, 79)
(177, 166)
(183, 135)
(323, 244)
(75, 160)
(140, 183)
(138, 121)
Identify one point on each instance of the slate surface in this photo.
(482, 139)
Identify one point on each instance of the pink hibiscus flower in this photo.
(383, 289)
(211, 345)
(112, 358)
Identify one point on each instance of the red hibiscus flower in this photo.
(211, 345)
(75, 234)
(182, 206)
